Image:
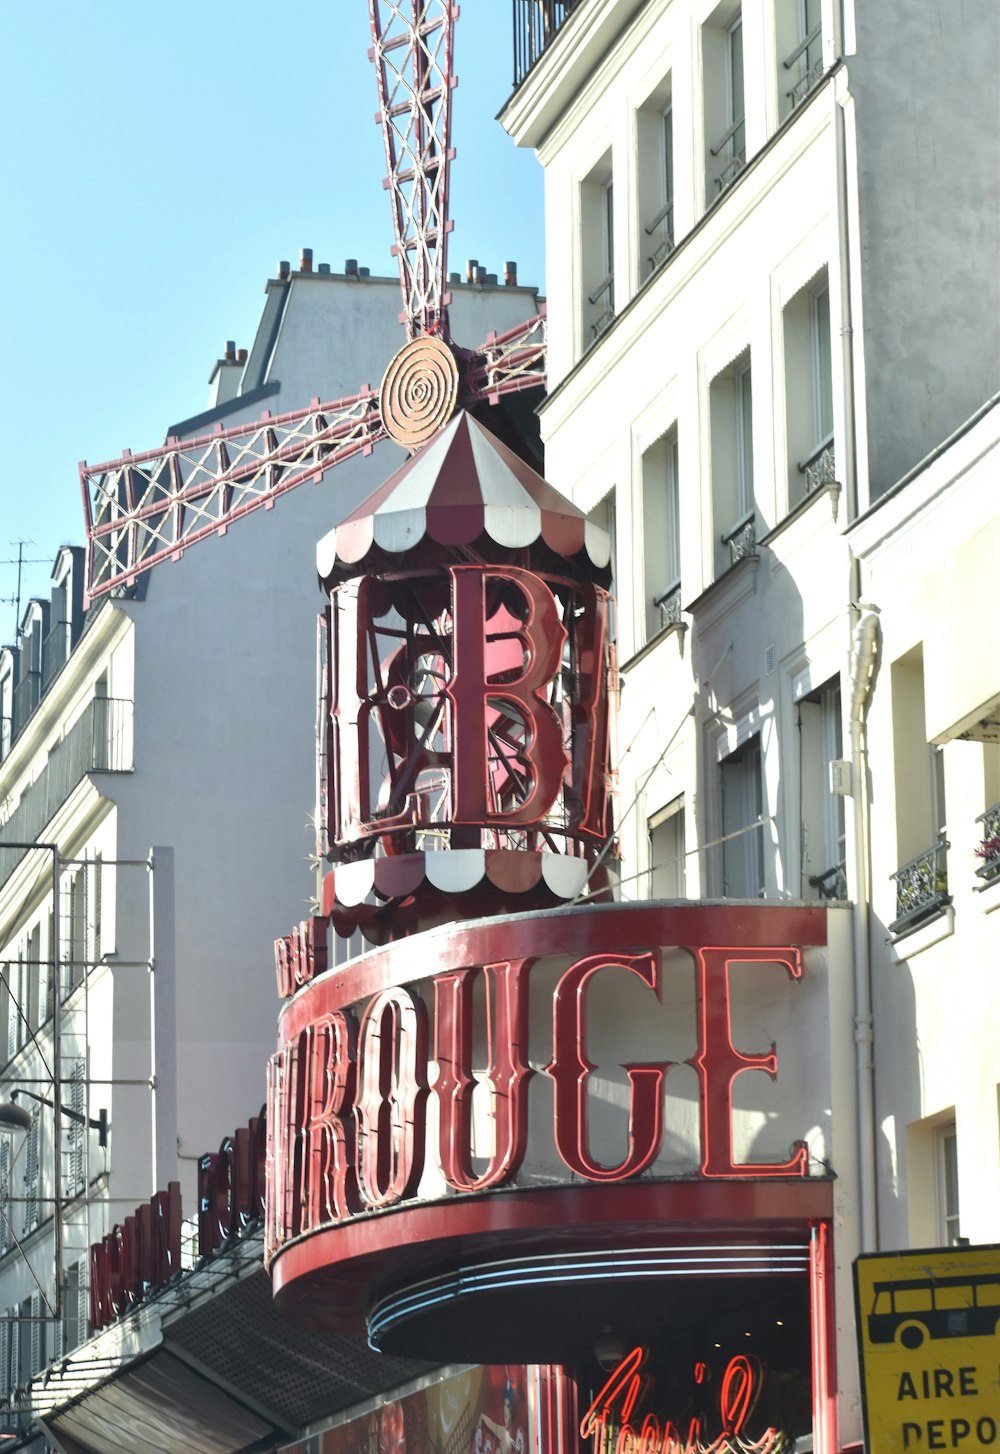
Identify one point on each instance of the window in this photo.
(666, 853)
(947, 1180)
(742, 829)
(75, 1306)
(809, 390)
(655, 139)
(731, 414)
(725, 126)
(597, 207)
(800, 51)
(921, 817)
(5, 1205)
(661, 535)
(822, 811)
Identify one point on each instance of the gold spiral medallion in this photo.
(419, 391)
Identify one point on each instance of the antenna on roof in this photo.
(21, 561)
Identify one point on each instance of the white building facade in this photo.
(160, 747)
(773, 372)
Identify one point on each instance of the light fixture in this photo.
(609, 1350)
(14, 1117)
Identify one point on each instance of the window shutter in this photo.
(5, 1383)
(36, 1335)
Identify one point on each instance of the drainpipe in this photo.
(864, 654)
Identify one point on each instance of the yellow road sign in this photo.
(928, 1328)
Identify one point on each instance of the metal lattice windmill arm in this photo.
(413, 50)
(146, 508)
(508, 362)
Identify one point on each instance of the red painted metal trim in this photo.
(823, 1341)
(343, 1265)
(634, 927)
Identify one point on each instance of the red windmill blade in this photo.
(142, 509)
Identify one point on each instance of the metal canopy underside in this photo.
(230, 1375)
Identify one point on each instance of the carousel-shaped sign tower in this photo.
(466, 660)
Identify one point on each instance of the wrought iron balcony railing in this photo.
(733, 143)
(27, 695)
(832, 884)
(54, 652)
(819, 469)
(669, 606)
(808, 55)
(989, 845)
(662, 228)
(921, 889)
(604, 298)
(742, 539)
(536, 24)
(100, 740)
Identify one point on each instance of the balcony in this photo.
(661, 233)
(604, 301)
(831, 885)
(100, 740)
(808, 58)
(731, 144)
(536, 24)
(742, 540)
(669, 606)
(921, 889)
(54, 652)
(989, 846)
(819, 469)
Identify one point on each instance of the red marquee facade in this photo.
(531, 1126)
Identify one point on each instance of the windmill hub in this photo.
(419, 391)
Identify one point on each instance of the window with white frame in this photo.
(597, 211)
(725, 111)
(809, 389)
(661, 534)
(667, 878)
(655, 190)
(799, 36)
(822, 811)
(947, 1181)
(742, 837)
(921, 881)
(734, 508)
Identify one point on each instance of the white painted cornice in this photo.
(581, 48)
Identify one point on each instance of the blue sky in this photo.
(157, 161)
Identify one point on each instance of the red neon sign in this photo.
(351, 1091)
(612, 1409)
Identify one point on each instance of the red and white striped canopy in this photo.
(463, 485)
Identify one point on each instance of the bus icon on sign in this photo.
(918, 1308)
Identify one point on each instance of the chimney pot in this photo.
(364, 272)
(351, 267)
(323, 268)
(284, 271)
(470, 269)
(306, 260)
(241, 355)
(491, 279)
(510, 274)
(480, 276)
(230, 351)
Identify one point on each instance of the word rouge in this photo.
(349, 1090)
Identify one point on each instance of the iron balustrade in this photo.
(819, 469)
(605, 294)
(813, 66)
(832, 884)
(27, 695)
(989, 846)
(733, 138)
(662, 223)
(54, 652)
(742, 539)
(921, 889)
(669, 606)
(536, 24)
(100, 740)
